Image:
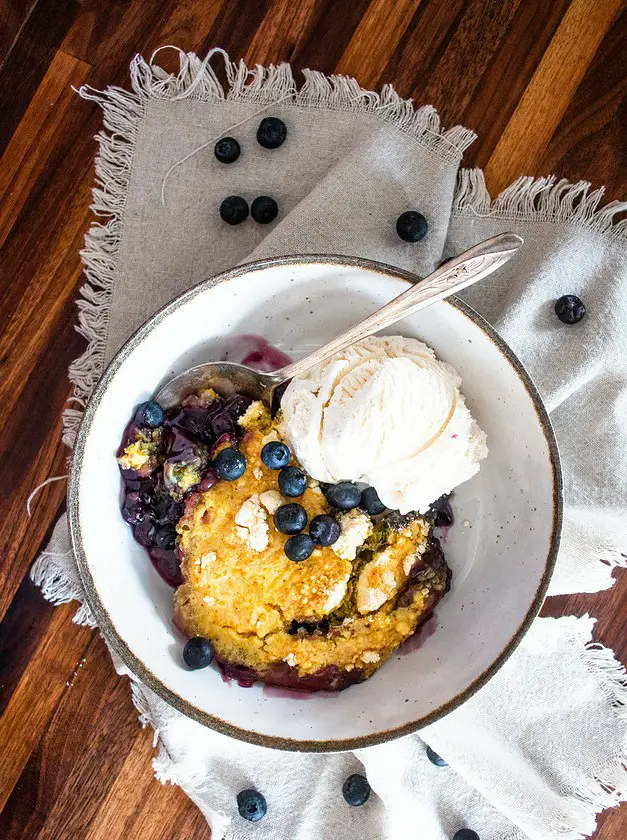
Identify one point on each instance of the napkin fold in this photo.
(542, 748)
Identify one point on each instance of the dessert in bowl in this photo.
(291, 581)
(240, 587)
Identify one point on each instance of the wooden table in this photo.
(543, 82)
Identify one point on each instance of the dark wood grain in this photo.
(13, 17)
(24, 628)
(30, 53)
(516, 58)
(563, 66)
(589, 143)
(108, 31)
(543, 83)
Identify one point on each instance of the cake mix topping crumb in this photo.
(356, 528)
(252, 522)
(271, 500)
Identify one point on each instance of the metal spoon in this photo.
(228, 378)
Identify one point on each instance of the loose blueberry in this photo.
(344, 495)
(133, 509)
(356, 789)
(290, 519)
(292, 481)
(198, 653)
(251, 805)
(371, 502)
(434, 758)
(165, 537)
(149, 414)
(275, 455)
(570, 309)
(164, 509)
(271, 133)
(144, 532)
(175, 511)
(227, 150)
(234, 209)
(167, 565)
(237, 404)
(443, 513)
(324, 529)
(465, 834)
(411, 226)
(299, 547)
(264, 209)
(230, 464)
(210, 480)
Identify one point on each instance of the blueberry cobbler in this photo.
(302, 557)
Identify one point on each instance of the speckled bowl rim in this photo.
(139, 669)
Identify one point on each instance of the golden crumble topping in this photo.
(348, 606)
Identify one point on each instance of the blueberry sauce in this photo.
(182, 448)
(167, 564)
(286, 693)
(243, 676)
(254, 351)
(442, 512)
(419, 636)
(282, 677)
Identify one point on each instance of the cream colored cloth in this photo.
(540, 750)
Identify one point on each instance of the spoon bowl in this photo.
(227, 378)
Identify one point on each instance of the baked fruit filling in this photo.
(292, 582)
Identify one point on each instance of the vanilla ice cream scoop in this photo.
(385, 412)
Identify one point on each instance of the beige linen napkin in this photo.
(541, 749)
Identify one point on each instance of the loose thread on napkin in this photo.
(190, 89)
(214, 140)
(38, 488)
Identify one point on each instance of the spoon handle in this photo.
(472, 265)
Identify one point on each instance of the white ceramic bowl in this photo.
(501, 549)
